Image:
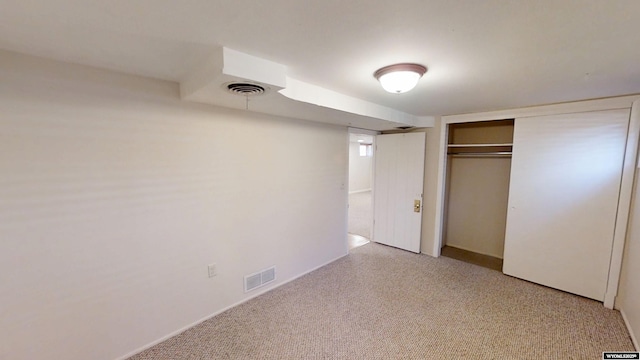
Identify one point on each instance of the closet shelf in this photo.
(480, 150)
(478, 145)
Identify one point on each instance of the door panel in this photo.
(563, 196)
(398, 183)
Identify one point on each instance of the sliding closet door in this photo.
(563, 196)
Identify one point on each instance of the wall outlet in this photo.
(212, 270)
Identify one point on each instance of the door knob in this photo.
(416, 206)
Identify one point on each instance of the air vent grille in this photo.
(252, 282)
(259, 279)
(245, 89)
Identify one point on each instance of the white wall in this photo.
(628, 300)
(116, 195)
(360, 168)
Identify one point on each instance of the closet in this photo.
(477, 188)
(544, 198)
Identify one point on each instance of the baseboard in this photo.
(634, 339)
(183, 329)
(359, 191)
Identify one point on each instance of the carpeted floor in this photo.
(360, 214)
(383, 303)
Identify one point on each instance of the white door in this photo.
(398, 183)
(563, 196)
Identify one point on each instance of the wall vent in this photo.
(259, 279)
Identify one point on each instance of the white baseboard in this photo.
(359, 191)
(634, 339)
(183, 329)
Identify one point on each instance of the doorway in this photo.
(360, 213)
(477, 189)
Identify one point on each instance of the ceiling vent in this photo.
(245, 89)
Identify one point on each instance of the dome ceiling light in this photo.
(400, 78)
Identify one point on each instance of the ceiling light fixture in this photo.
(400, 78)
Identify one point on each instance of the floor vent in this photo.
(259, 279)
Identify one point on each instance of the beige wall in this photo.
(116, 196)
(477, 204)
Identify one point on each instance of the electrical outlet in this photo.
(212, 270)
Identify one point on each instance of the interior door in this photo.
(398, 184)
(563, 195)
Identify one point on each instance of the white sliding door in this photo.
(563, 197)
(398, 184)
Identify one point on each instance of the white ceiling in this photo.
(481, 55)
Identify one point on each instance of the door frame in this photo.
(628, 170)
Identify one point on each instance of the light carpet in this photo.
(360, 214)
(383, 303)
